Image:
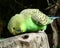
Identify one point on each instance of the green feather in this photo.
(28, 20)
(32, 26)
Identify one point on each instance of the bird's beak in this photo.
(14, 33)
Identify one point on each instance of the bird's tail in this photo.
(54, 17)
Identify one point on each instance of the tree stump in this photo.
(27, 40)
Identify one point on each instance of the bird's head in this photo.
(13, 26)
(16, 24)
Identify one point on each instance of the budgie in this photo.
(29, 20)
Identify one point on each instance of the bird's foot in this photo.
(41, 31)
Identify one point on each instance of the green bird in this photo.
(29, 20)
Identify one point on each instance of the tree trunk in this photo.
(28, 40)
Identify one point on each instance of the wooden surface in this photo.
(28, 40)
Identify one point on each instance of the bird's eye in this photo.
(13, 27)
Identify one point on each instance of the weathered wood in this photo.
(55, 34)
(28, 40)
(58, 3)
(52, 12)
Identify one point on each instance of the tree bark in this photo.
(55, 34)
(28, 40)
